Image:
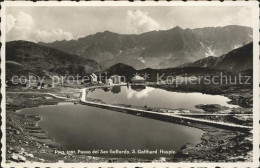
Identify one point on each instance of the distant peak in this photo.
(108, 32)
(177, 28)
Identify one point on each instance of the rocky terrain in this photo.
(218, 146)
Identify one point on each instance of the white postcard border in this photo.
(253, 4)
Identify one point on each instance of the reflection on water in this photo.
(79, 127)
(116, 89)
(138, 88)
(155, 97)
(138, 94)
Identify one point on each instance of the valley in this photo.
(39, 116)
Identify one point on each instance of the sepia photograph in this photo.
(102, 82)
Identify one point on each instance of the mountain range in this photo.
(23, 57)
(239, 60)
(157, 49)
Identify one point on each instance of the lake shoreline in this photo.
(244, 98)
(32, 138)
(188, 152)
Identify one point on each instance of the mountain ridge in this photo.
(157, 49)
(31, 57)
(239, 59)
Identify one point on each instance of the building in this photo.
(116, 79)
(94, 78)
(138, 79)
(109, 82)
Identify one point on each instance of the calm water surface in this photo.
(87, 128)
(155, 97)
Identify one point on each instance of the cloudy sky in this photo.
(48, 24)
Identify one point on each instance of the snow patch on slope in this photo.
(141, 59)
(236, 46)
(210, 52)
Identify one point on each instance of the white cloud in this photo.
(53, 35)
(22, 27)
(139, 95)
(10, 22)
(241, 16)
(139, 22)
(24, 21)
